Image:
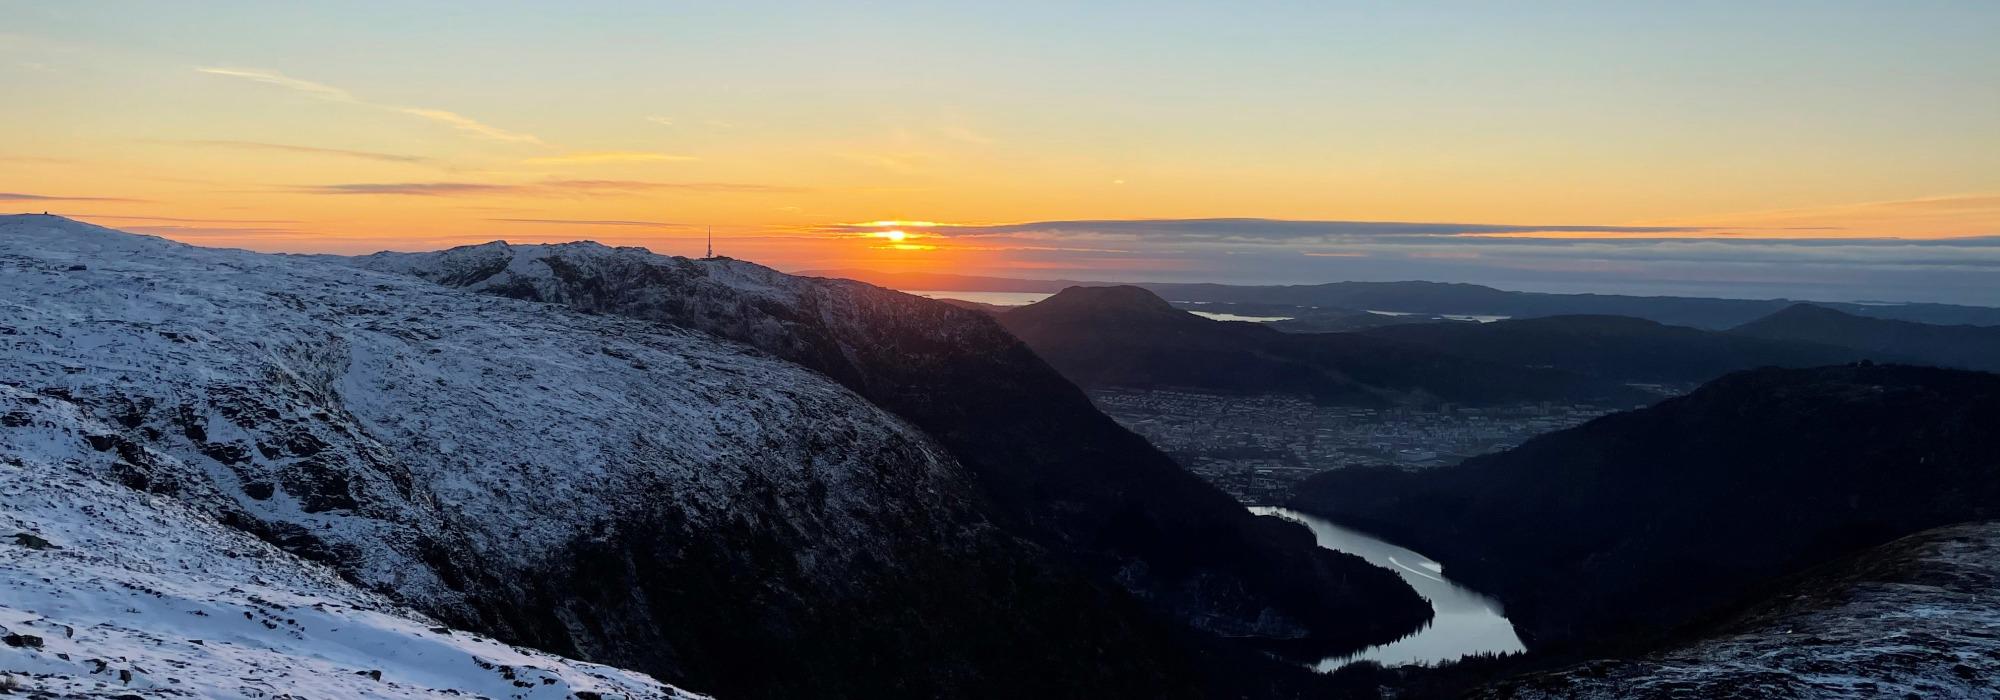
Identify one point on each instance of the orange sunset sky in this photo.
(1679, 144)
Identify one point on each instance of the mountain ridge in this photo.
(1132, 338)
(1054, 469)
(589, 485)
(1712, 313)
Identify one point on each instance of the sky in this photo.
(1828, 149)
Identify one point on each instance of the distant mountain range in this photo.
(1639, 522)
(1129, 337)
(1439, 298)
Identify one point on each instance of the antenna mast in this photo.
(711, 241)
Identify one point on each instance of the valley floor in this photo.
(1257, 448)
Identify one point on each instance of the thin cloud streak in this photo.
(592, 222)
(470, 125)
(309, 150)
(597, 157)
(24, 197)
(319, 90)
(180, 220)
(333, 94)
(1251, 230)
(540, 189)
(417, 189)
(245, 232)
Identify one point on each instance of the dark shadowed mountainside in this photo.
(1966, 347)
(1048, 465)
(1617, 347)
(1130, 338)
(1911, 618)
(1639, 521)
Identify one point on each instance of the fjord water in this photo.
(1465, 622)
(994, 298)
(1026, 298)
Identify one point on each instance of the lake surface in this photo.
(994, 298)
(1482, 318)
(1465, 621)
(1026, 298)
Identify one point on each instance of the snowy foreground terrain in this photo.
(166, 411)
(108, 591)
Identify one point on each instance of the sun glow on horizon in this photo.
(1313, 156)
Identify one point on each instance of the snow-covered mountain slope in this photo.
(1054, 469)
(1917, 617)
(599, 487)
(106, 591)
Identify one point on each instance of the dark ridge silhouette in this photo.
(1909, 618)
(1452, 298)
(1966, 347)
(1129, 337)
(1618, 348)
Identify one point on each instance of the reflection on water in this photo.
(1482, 318)
(1239, 317)
(1465, 622)
(994, 298)
(1026, 298)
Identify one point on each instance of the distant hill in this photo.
(1130, 337)
(1451, 298)
(1968, 347)
(1619, 348)
(1640, 521)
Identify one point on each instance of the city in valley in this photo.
(1258, 447)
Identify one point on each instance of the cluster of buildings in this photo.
(1258, 447)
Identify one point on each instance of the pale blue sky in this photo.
(774, 118)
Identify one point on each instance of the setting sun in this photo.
(896, 236)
